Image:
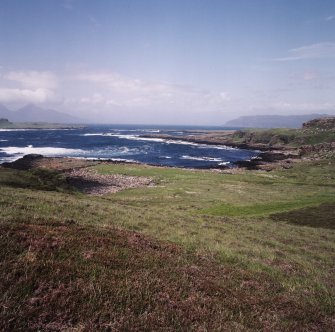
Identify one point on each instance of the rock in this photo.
(322, 123)
(24, 163)
(321, 150)
(93, 183)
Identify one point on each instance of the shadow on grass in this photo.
(38, 179)
(322, 216)
(88, 186)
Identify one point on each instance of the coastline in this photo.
(270, 157)
(273, 148)
(40, 125)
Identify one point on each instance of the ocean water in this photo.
(120, 143)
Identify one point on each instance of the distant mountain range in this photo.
(272, 121)
(33, 113)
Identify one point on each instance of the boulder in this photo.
(24, 163)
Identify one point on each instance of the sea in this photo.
(121, 143)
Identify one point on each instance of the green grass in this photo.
(257, 226)
(284, 136)
(259, 209)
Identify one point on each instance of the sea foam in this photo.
(162, 140)
(202, 158)
(45, 151)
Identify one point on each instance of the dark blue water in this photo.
(120, 143)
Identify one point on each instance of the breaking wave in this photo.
(162, 140)
(17, 152)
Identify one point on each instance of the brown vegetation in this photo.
(71, 277)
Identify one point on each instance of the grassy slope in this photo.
(283, 136)
(234, 251)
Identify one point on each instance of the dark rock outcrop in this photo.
(322, 150)
(322, 123)
(24, 163)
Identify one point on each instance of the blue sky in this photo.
(186, 62)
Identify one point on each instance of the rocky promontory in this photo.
(280, 147)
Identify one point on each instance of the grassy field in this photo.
(201, 250)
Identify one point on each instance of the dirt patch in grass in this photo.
(66, 173)
(322, 216)
(93, 183)
(74, 277)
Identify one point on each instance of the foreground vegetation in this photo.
(200, 250)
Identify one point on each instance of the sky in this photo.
(197, 62)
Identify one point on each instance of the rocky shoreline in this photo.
(80, 175)
(270, 157)
(215, 138)
(278, 148)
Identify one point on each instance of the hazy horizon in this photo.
(168, 62)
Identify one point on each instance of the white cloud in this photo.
(115, 89)
(123, 84)
(36, 96)
(314, 51)
(31, 79)
(96, 90)
(225, 96)
(330, 18)
(95, 99)
(28, 86)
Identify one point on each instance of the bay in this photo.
(123, 143)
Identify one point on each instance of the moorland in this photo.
(96, 245)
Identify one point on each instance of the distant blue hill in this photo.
(33, 113)
(272, 121)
